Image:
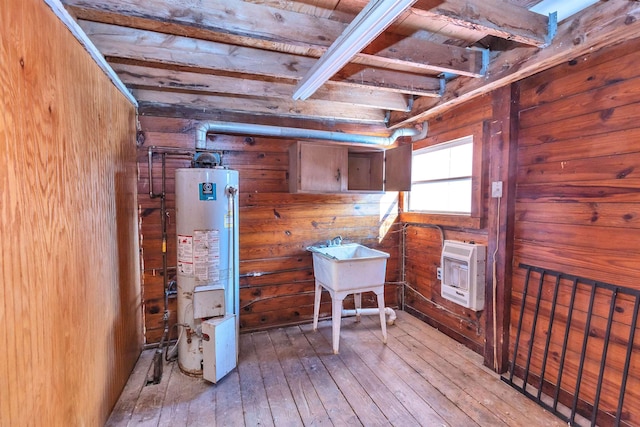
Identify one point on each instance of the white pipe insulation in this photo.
(288, 132)
(370, 312)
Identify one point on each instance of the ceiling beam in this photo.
(598, 26)
(279, 30)
(276, 108)
(122, 42)
(136, 76)
(501, 19)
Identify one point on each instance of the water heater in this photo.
(207, 270)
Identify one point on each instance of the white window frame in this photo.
(479, 130)
(452, 178)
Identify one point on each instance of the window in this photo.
(441, 178)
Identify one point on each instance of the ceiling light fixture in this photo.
(368, 25)
(564, 8)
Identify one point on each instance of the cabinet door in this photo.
(323, 168)
(398, 168)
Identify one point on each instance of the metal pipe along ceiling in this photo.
(288, 132)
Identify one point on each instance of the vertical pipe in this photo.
(603, 360)
(583, 354)
(150, 171)
(556, 394)
(627, 361)
(403, 271)
(163, 222)
(533, 331)
(234, 261)
(519, 329)
(157, 371)
(549, 330)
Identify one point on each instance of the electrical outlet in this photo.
(496, 189)
(439, 273)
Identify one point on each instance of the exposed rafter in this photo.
(137, 77)
(499, 19)
(612, 22)
(142, 45)
(245, 57)
(267, 28)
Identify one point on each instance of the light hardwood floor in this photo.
(290, 377)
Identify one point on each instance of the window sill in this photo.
(447, 220)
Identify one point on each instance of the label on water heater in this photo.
(207, 190)
(185, 255)
(206, 256)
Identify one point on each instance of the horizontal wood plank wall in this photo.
(70, 308)
(578, 201)
(424, 247)
(276, 285)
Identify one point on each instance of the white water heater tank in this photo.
(207, 259)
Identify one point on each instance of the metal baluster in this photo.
(533, 332)
(519, 330)
(603, 360)
(549, 329)
(556, 394)
(582, 355)
(627, 362)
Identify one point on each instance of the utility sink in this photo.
(348, 267)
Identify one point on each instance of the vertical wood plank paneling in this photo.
(69, 260)
(9, 132)
(577, 204)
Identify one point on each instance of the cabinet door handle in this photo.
(339, 175)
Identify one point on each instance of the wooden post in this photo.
(502, 150)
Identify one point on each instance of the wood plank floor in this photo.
(290, 377)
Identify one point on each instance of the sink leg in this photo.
(316, 305)
(383, 322)
(357, 299)
(336, 317)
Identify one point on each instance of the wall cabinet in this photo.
(324, 167)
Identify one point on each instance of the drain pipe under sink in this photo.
(371, 312)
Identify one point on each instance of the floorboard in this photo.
(307, 401)
(357, 396)
(254, 394)
(425, 401)
(283, 407)
(334, 402)
(290, 377)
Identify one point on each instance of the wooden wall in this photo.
(578, 199)
(69, 267)
(424, 243)
(276, 285)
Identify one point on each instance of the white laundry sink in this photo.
(348, 268)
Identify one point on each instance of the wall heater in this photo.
(463, 273)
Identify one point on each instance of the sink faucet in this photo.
(336, 241)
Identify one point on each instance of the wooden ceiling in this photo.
(179, 57)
